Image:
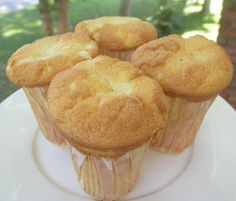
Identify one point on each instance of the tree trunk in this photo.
(227, 34)
(62, 15)
(206, 7)
(124, 7)
(46, 18)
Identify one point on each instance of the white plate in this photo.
(31, 169)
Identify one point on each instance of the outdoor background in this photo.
(23, 21)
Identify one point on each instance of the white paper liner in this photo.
(108, 179)
(38, 100)
(185, 118)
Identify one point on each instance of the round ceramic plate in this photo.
(31, 169)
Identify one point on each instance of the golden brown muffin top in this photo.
(118, 33)
(37, 63)
(194, 67)
(106, 107)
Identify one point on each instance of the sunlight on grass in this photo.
(192, 8)
(12, 32)
(209, 35)
(38, 23)
(216, 7)
(211, 27)
(208, 29)
(211, 32)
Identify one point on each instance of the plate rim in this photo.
(225, 105)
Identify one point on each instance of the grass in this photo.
(18, 28)
(24, 26)
(79, 9)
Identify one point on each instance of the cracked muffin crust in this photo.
(37, 63)
(194, 67)
(118, 33)
(108, 106)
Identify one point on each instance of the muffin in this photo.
(191, 73)
(108, 113)
(118, 36)
(34, 65)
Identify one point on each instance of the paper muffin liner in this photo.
(108, 179)
(122, 55)
(38, 100)
(185, 118)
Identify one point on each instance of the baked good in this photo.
(34, 65)
(118, 36)
(109, 111)
(191, 71)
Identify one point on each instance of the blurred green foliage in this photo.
(25, 25)
(166, 20)
(167, 17)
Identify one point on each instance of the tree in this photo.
(227, 33)
(124, 7)
(45, 12)
(206, 7)
(62, 15)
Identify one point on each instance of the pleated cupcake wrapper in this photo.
(38, 100)
(108, 179)
(122, 55)
(185, 118)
